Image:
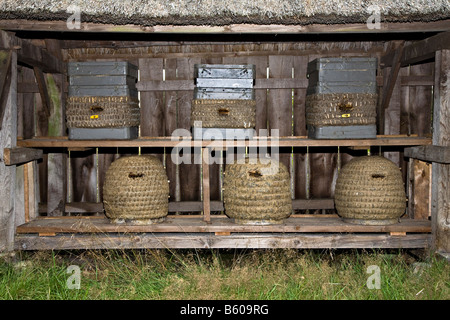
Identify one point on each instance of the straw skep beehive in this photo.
(136, 190)
(256, 192)
(370, 191)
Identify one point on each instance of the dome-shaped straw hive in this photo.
(256, 192)
(370, 191)
(136, 190)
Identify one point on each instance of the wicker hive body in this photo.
(136, 190)
(257, 193)
(224, 113)
(224, 96)
(370, 191)
(341, 98)
(102, 95)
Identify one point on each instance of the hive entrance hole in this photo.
(378, 176)
(224, 111)
(133, 175)
(96, 109)
(255, 173)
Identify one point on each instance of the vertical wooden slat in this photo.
(57, 186)
(214, 168)
(300, 71)
(421, 190)
(152, 103)
(171, 124)
(392, 117)
(206, 185)
(8, 138)
(189, 173)
(440, 213)
(279, 101)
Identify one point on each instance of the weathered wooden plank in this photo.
(8, 138)
(301, 185)
(206, 186)
(421, 199)
(43, 90)
(279, 101)
(206, 241)
(440, 213)
(57, 186)
(189, 173)
(32, 55)
(392, 76)
(431, 153)
(293, 141)
(420, 51)
(174, 223)
(152, 103)
(5, 80)
(345, 28)
(12, 156)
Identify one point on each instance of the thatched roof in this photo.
(223, 12)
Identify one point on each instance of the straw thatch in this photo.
(223, 12)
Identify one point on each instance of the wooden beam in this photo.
(419, 51)
(294, 141)
(207, 241)
(345, 28)
(392, 78)
(5, 80)
(431, 153)
(32, 55)
(440, 176)
(43, 90)
(192, 224)
(13, 156)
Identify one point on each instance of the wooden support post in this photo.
(5, 80)
(440, 209)
(388, 89)
(206, 186)
(56, 189)
(8, 138)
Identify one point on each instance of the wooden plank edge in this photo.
(19, 155)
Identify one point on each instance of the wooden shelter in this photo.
(51, 195)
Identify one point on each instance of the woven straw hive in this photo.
(102, 112)
(341, 109)
(370, 191)
(136, 190)
(224, 113)
(256, 192)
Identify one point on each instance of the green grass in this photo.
(224, 274)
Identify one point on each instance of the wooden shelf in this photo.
(299, 232)
(294, 141)
(218, 224)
